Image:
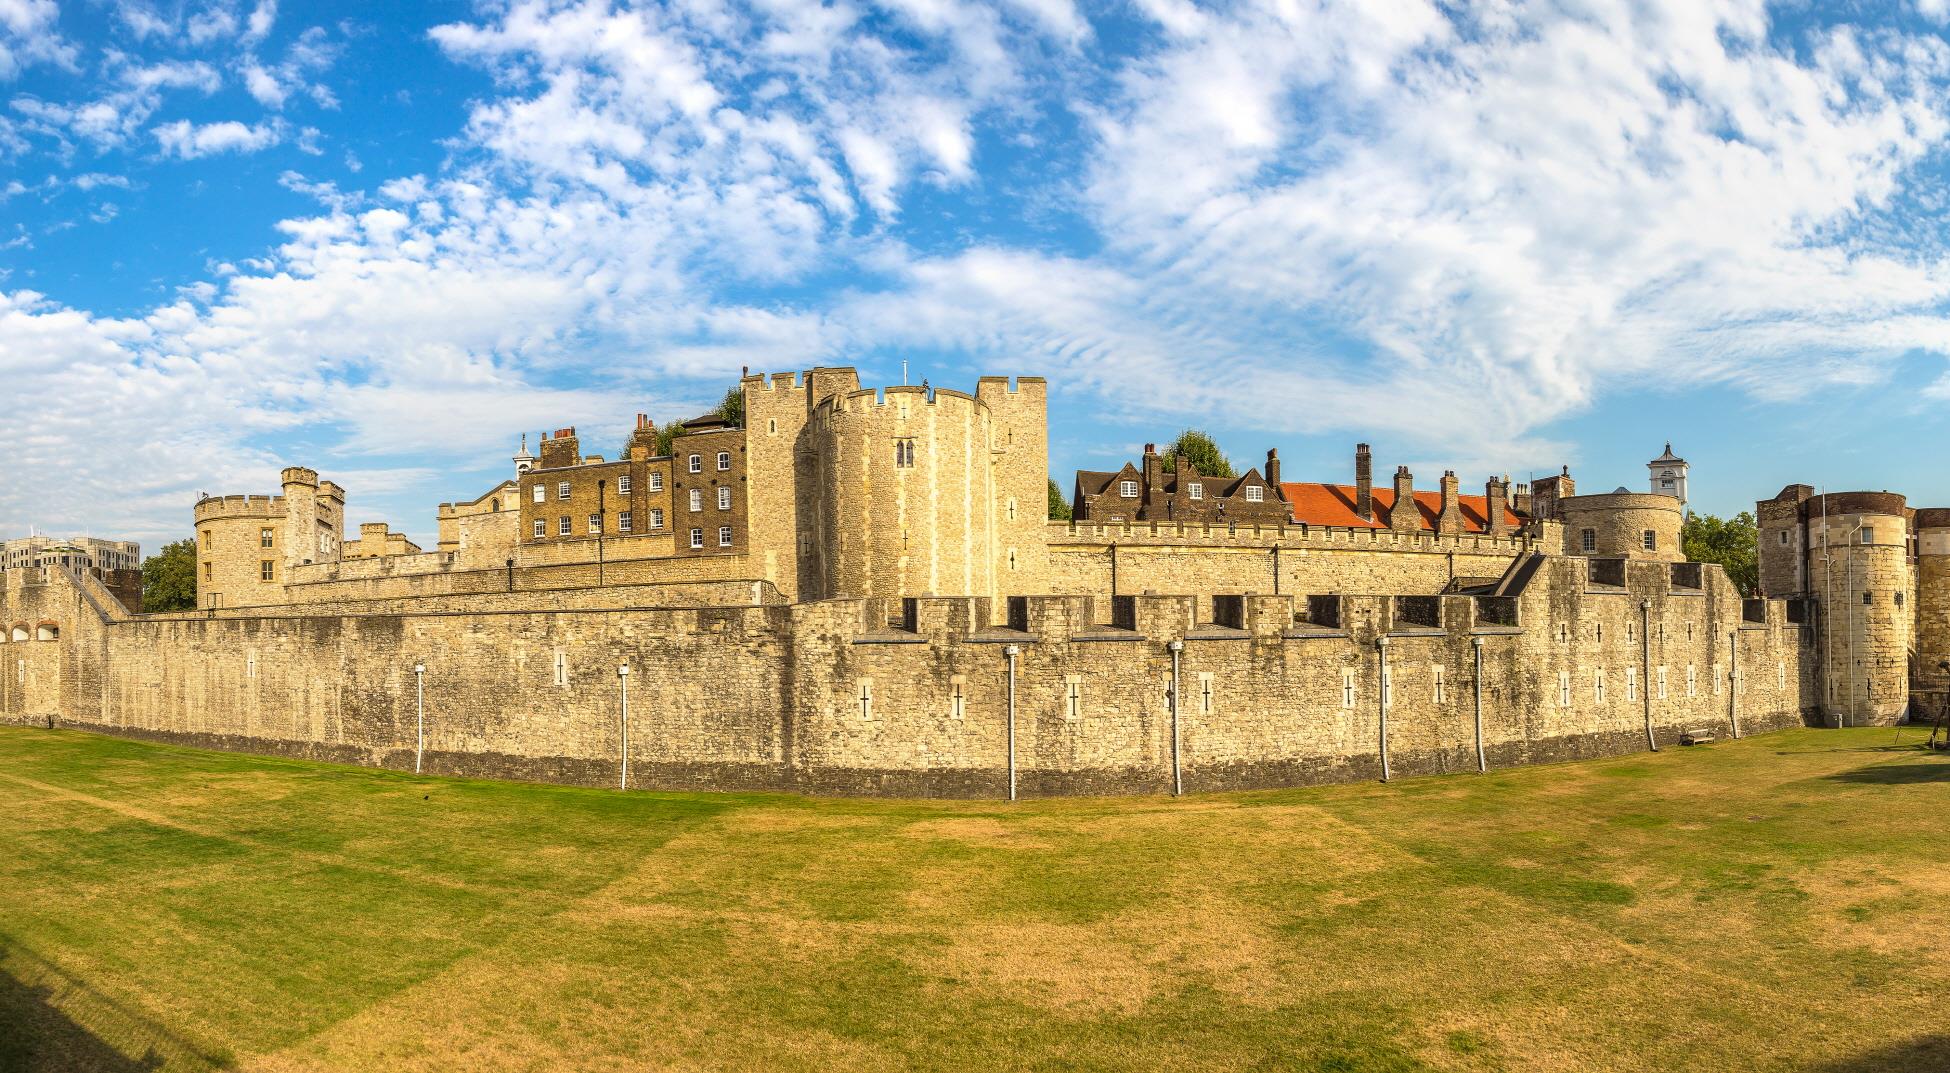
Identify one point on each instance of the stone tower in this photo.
(1668, 476)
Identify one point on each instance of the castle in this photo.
(860, 591)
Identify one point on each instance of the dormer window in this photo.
(1127, 489)
(1195, 490)
(1255, 494)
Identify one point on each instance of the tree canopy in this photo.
(1733, 543)
(732, 409)
(1059, 508)
(1200, 452)
(169, 578)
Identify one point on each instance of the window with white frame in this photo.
(697, 463)
(724, 461)
(724, 536)
(623, 520)
(1255, 494)
(595, 523)
(1195, 490)
(656, 518)
(562, 526)
(724, 497)
(562, 490)
(541, 529)
(1127, 489)
(697, 538)
(697, 499)
(623, 485)
(656, 482)
(541, 493)
(1588, 540)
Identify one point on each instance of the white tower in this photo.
(1669, 476)
(525, 461)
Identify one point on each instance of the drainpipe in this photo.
(1482, 758)
(623, 682)
(1012, 651)
(1381, 650)
(1733, 704)
(1645, 672)
(420, 723)
(1177, 775)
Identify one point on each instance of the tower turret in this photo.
(1668, 476)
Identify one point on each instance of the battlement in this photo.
(244, 506)
(300, 475)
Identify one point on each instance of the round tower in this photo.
(1859, 571)
(906, 494)
(1622, 524)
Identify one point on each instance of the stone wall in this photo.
(827, 697)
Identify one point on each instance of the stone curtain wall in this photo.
(826, 698)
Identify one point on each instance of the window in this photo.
(1784, 537)
(1347, 688)
(541, 494)
(1631, 633)
(1255, 494)
(1387, 686)
(1438, 683)
(250, 666)
(1899, 599)
(1010, 508)
(904, 453)
(1598, 686)
(724, 497)
(595, 523)
(1195, 490)
(866, 698)
(267, 570)
(697, 538)
(697, 499)
(724, 536)
(1631, 683)
(1719, 675)
(656, 482)
(561, 667)
(264, 538)
(1780, 675)
(1692, 680)
(697, 463)
(724, 461)
(623, 521)
(656, 518)
(541, 529)
(1868, 598)
(1650, 539)
(957, 700)
(1564, 689)
(623, 485)
(1868, 535)
(562, 490)
(1073, 696)
(1588, 540)
(1662, 683)
(562, 526)
(1127, 489)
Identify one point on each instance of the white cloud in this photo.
(188, 141)
(28, 35)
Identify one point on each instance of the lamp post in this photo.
(623, 721)
(1011, 652)
(420, 721)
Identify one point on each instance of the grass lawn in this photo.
(1777, 903)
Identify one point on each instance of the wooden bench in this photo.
(1696, 737)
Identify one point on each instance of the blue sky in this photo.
(385, 239)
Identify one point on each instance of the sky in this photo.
(386, 239)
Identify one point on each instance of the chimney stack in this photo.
(1449, 521)
(1273, 471)
(1521, 503)
(1494, 498)
(1404, 516)
(1363, 483)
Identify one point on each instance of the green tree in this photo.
(169, 578)
(1733, 543)
(1059, 508)
(732, 409)
(1200, 453)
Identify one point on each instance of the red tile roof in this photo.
(1333, 504)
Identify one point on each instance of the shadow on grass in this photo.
(37, 1035)
(1896, 774)
(1924, 1054)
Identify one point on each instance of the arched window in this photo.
(47, 631)
(20, 631)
